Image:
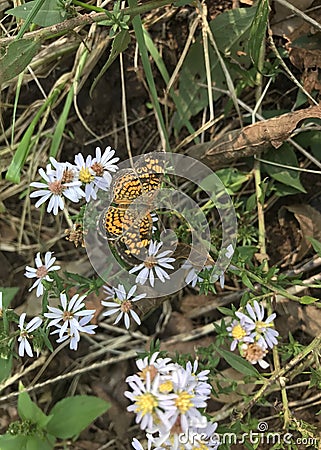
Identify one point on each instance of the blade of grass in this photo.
(30, 18)
(13, 173)
(19, 83)
(138, 28)
(60, 127)
(163, 71)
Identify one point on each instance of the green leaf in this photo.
(315, 244)
(8, 294)
(258, 30)
(60, 125)
(192, 94)
(50, 13)
(120, 43)
(246, 281)
(73, 414)
(10, 64)
(5, 368)
(238, 363)
(36, 442)
(285, 156)
(9, 442)
(307, 300)
(28, 410)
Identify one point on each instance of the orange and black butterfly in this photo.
(127, 222)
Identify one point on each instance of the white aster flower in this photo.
(261, 330)
(154, 262)
(122, 304)
(192, 276)
(88, 177)
(59, 182)
(41, 271)
(240, 333)
(74, 336)
(25, 334)
(69, 314)
(147, 403)
(154, 365)
(102, 164)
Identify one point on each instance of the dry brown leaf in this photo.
(252, 139)
(310, 225)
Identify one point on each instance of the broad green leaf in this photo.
(258, 30)
(73, 414)
(8, 294)
(50, 13)
(15, 58)
(238, 363)
(316, 245)
(192, 94)
(37, 443)
(120, 43)
(307, 300)
(9, 442)
(284, 156)
(310, 140)
(28, 410)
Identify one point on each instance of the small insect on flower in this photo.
(154, 262)
(41, 272)
(122, 304)
(26, 333)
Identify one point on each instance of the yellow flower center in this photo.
(166, 387)
(146, 403)
(238, 332)
(85, 176)
(260, 325)
(183, 401)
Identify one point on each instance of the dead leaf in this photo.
(252, 139)
(310, 225)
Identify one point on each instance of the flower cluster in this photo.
(252, 334)
(75, 181)
(167, 398)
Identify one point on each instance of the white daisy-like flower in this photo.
(41, 272)
(122, 304)
(261, 330)
(25, 334)
(240, 332)
(192, 276)
(154, 262)
(70, 174)
(69, 314)
(104, 163)
(74, 336)
(155, 364)
(88, 177)
(147, 403)
(59, 183)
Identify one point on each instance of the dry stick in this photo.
(300, 13)
(203, 11)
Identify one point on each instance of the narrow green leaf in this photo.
(5, 368)
(8, 294)
(120, 43)
(50, 13)
(258, 30)
(238, 363)
(73, 414)
(13, 173)
(307, 300)
(246, 281)
(316, 245)
(60, 127)
(10, 64)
